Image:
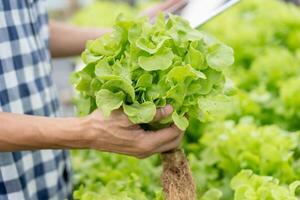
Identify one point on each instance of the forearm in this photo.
(114, 134)
(24, 132)
(67, 40)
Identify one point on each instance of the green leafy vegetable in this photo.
(228, 148)
(248, 186)
(254, 148)
(142, 66)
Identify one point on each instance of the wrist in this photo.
(70, 133)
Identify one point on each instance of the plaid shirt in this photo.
(26, 87)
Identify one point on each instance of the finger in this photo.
(163, 112)
(171, 145)
(163, 136)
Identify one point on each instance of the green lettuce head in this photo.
(141, 66)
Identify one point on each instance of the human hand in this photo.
(166, 6)
(117, 134)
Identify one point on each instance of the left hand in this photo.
(165, 6)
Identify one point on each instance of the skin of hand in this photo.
(164, 6)
(117, 134)
(114, 134)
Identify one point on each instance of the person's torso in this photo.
(26, 87)
(25, 73)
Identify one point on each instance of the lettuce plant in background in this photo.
(253, 23)
(267, 54)
(290, 99)
(117, 177)
(227, 148)
(249, 186)
(103, 13)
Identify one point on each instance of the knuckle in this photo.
(159, 114)
(163, 112)
(177, 131)
(145, 148)
(138, 137)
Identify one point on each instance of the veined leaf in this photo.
(179, 74)
(116, 85)
(149, 46)
(140, 113)
(145, 81)
(195, 58)
(220, 57)
(180, 121)
(162, 60)
(108, 101)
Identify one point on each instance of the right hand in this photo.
(117, 134)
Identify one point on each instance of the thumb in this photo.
(163, 112)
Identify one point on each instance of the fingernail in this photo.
(168, 109)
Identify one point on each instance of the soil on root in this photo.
(177, 180)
